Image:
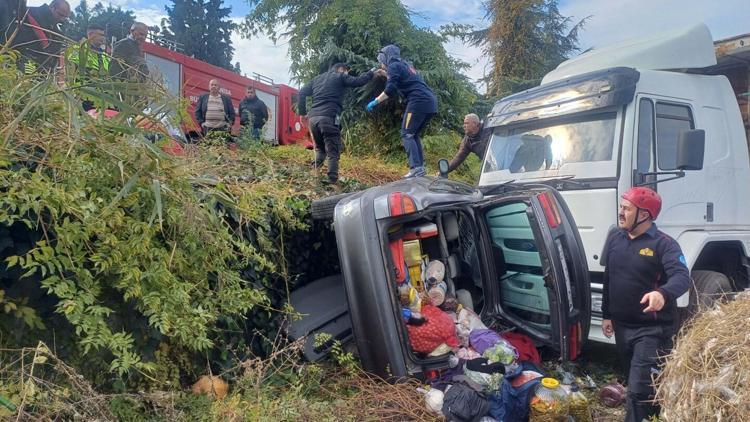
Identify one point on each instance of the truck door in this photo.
(660, 121)
(537, 268)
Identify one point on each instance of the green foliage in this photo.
(115, 20)
(342, 357)
(203, 29)
(19, 308)
(525, 39)
(322, 32)
(127, 409)
(134, 246)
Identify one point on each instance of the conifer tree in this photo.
(203, 30)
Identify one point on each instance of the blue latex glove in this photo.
(371, 105)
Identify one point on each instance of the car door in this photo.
(536, 267)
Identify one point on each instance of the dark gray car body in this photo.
(360, 223)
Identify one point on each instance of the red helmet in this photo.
(644, 198)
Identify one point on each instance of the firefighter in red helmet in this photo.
(645, 272)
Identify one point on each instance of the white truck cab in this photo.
(646, 112)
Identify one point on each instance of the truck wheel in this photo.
(322, 209)
(710, 286)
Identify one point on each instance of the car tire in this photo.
(322, 209)
(709, 286)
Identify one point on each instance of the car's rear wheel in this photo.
(322, 209)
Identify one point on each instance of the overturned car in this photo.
(419, 252)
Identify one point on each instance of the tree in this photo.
(115, 21)
(203, 29)
(524, 40)
(322, 32)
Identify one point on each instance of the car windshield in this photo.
(581, 147)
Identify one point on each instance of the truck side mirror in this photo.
(443, 167)
(691, 145)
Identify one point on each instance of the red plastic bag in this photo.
(438, 329)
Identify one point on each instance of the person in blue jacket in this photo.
(644, 274)
(421, 104)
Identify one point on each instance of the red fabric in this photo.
(34, 25)
(438, 329)
(525, 347)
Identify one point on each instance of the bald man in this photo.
(129, 61)
(475, 140)
(214, 110)
(39, 40)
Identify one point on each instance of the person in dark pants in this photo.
(214, 110)
(645, 272)
(326, 90)
(421, 104)
(475, 140)
(253, 113)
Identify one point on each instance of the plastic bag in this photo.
(501, 352)
(467, 321)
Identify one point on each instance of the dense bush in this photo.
(131, 260)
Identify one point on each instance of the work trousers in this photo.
(327, 136)
(412, 125)
(641, 350)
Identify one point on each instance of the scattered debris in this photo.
(612, 395)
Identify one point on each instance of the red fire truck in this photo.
(188, 78)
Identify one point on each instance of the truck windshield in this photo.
(582, 147)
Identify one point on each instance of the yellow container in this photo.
(579, 405)
(412, 253)
(550, 402)
(415, 275)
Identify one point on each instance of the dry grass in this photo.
(374, 399)
(707, 375)
(41, 387)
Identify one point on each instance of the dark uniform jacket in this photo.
(476, 143)
(634, 267)
(327, 90)
(129, 61)
(256, 108)
(38, 38)
(404, 79)
(202, 105)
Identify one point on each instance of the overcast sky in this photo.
(610, 21)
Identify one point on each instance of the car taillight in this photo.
(400, 203)
(551, 213)
(574, 340)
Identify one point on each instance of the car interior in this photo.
(450, 236)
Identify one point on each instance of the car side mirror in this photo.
(443, 167)
(691, 145)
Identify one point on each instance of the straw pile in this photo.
(707, 376)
